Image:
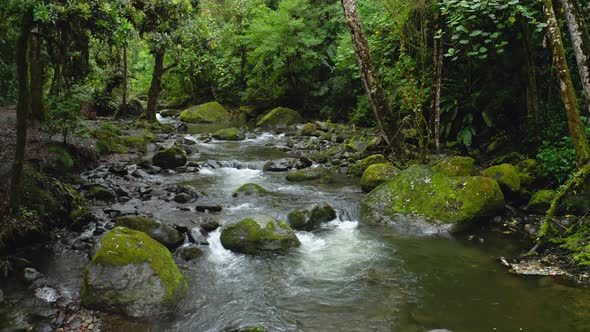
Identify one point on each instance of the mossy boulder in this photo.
(250, 189)
(308, 129)
(308, 174)
(170, 158)
(321, 214)
(280, 117)
(170, 113)
(257, 235)
(541, 201)
(372, 160)
(319, 157)
(163, 233)
(100, 193)
(419, 191)
(132, 274)
(377, 174)
(212, 112)
(455, 166)
(189, 252)
(230, 134)
(298, 219)
(506, 175)
(59, 161)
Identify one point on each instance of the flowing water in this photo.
(347, 276)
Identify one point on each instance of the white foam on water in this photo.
(244, 206)
(207, 171)
(219, 254)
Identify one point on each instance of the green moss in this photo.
(169, 113)
(170, 158)
(506, 175)
(321, 214)
(319, 157)
(60, 160)
(297, 219)
(230, 134)
(308, 129)
(206, 113)
(355, 169)
(280, 116)
(249, 189)
(455, 166)
(420, 191)
(137, 143)
(123, 246)
(137, 223)
(377, 174)
(372, 160)
(100, 193)
(541, 200)
(308, 174)
(251, 236)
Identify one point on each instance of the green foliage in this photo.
(64, 112)
(558, 159)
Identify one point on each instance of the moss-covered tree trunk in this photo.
(156, 87)
(36, 78)
(368, 74)
(566, 87)
(580, 37)
(22, 111)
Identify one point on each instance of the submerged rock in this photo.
(189, 252)
(420, 191)
(230, 134)
(280, 117)
(455, 166)
(506, 175)
(377, 174)
(170, 158)
(163, 233)
(257, 235)
(250, 189)
(206, 113)
(134, 275)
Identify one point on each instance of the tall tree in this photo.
(568, 93)
(369, 77)
(22, 109)
(580, 37)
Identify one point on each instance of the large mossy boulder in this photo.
(308, 129)
(372, 160)
(170, 158)
(280, 117)
(377, 174)
(455, 166)
(419, 191)
(212, 112)
(250, 189)
(257, 235)
(132, 274)
(541, 201)
(163, 233)
(506, 175)
(308, 174)
(100, 193)
(229, 134)
(304, 220)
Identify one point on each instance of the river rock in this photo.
(229, 134)
(308, 129)
(100, 193)
(506, 175)
(209, 224)
(196, 236)
(541, 201)
(308, 174)
(170, 158)
(280, 117)
(163, 233)
(455, 166)
(279, 165)
(372, 160)
(213, 208)
(419, 191)
(134, 275)
(377, 174)
(257, 235)
(298, 219)
(31, 274)
(118, 170)
(250, 189)
(321, 214)
(182, 198)
(189, 252)
(206, 113)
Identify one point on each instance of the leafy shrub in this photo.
(64, 112)
(558, 159)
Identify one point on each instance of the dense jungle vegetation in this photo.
(505, 82)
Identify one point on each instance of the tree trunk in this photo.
(581, 43)
(36, 68)
(156, 87)
(532, 90)
(568, 93)
(22, 110)
(437, 71)
(125, 76)
(369, 77)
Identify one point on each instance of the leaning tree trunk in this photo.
(568, 93)
(369, 77)
(156, 87)
(22, 110)
(36, 78)
(581, 43)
